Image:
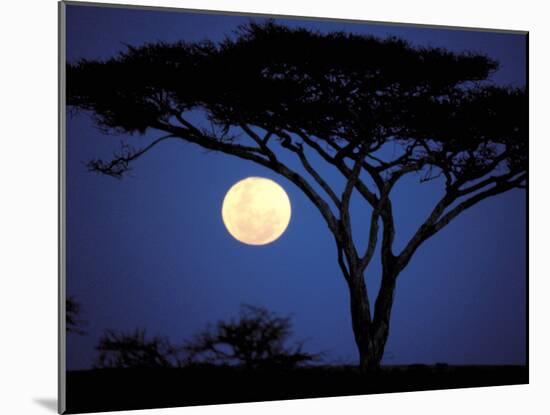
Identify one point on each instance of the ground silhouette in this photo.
(244, 359)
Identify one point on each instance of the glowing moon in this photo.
(256, 211)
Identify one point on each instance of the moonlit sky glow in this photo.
(151, 250)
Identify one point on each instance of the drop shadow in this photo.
(48, 403)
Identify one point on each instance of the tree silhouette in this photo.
(135, 350)
(256, 340)
(375, 110)
(72, 311)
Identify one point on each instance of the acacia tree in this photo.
(374, 109)
(256, 340)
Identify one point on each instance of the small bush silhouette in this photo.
(255, 340)
(134, 350)
(72, 311)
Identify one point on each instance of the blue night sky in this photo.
(151, 251)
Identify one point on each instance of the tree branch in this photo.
(286, 142)
(120, 164)
(499, 188)
(341, 261)
(340, 165)
(388, 233)
(423, 231)
(262, 142)
(250, 153)
(435, 222)
(373, 238)
(484, 171)
(486, 182)
(344, 208)
(351, 183)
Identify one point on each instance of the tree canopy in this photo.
(328, 92)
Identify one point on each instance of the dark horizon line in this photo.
(318, 366)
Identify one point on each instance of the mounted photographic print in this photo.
(259, 208)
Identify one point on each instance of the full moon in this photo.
(256, 211)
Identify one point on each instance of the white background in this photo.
(28, 203)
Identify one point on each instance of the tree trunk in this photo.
(370, 334)
(362, 323)
(382, 313)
